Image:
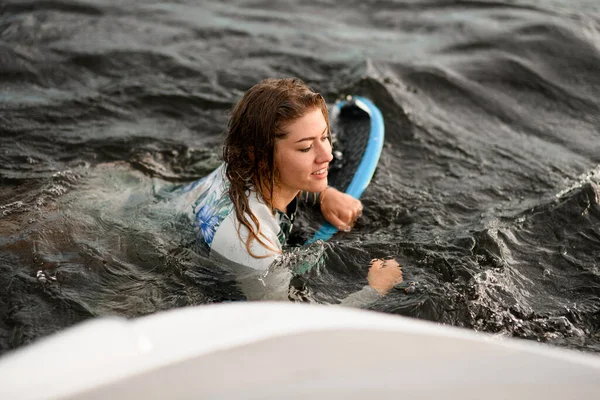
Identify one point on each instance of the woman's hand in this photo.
(340, 209)
(384, 275)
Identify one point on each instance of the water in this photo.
(487, 191)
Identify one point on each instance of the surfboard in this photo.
(358, 134)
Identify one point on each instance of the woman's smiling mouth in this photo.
(322, 173)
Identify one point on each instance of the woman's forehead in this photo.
(311, 124)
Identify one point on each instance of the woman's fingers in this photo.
(338, 223)
(341, 211)
(384, 275)
(354, 212)
(376, 262)
(390, 263)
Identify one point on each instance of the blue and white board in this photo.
(359, 133)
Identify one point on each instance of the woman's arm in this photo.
(383, 275)
(340, 209)
(277, 282)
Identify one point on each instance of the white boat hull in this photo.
(290, 351)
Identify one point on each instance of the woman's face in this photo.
(302, 158)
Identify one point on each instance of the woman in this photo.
(278, 145)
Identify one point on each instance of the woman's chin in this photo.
(319, 187)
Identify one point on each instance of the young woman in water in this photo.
(277, 150)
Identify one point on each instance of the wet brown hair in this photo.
(257, 120)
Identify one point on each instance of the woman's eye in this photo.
(306, 150)
(324, 138)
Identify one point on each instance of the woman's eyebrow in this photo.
(311, 137)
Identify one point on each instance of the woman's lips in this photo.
(320, 174)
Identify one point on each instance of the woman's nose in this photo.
(324, 153)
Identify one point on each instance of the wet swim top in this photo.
(216, 225)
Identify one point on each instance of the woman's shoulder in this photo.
(216, 178)
(211, 205)
(231, 236)
(268, 223)
(219, 229)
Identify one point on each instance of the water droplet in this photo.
(44, 277)
(562, 250)
(41, 276)
(547, 273)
